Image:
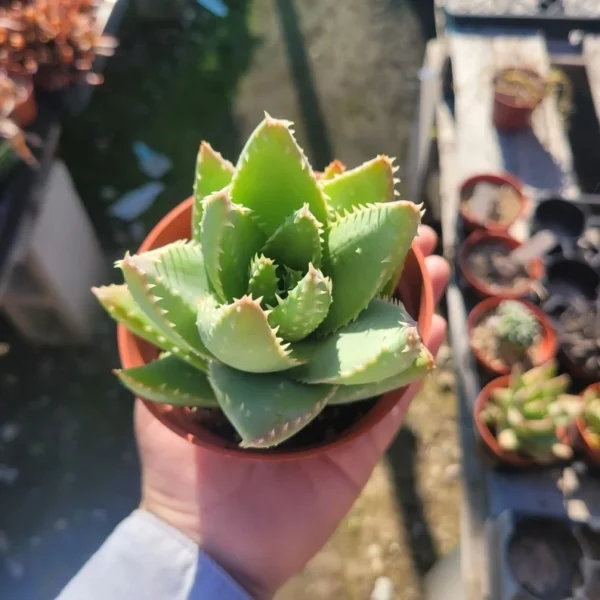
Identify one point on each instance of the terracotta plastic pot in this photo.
(414, 290)
(470, 221)
(510, 115)
(535, 269)
(592, 453)
(25, 111)
(548, 345)
(488, 438)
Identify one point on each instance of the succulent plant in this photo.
(517, 325)
(526, 416)
(280, 304)
(591, 416)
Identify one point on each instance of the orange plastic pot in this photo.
(510, 115)
(471, 222)
(488, 438)
(414, 290)
(548, 345)
(591, 451)
(535, 269)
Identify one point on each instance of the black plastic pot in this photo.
(564, 219)
(566, 280)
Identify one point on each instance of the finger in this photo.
(427, 239)
(439, 271)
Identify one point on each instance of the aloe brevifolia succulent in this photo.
(280, 304)
(527, 415)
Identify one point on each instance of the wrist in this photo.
(215, 549)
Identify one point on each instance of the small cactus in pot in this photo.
(281, 302)
(528, 415)
(518, 327)
(591, 416)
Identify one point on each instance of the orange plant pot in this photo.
(535, 269)
(414, 290)
(548, 345)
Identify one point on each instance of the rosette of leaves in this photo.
(518, 326)
(526, 417)
(280, 304)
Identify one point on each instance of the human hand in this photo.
(263, 521)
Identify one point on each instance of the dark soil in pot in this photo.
(503, 204)
(543, 556)
(487, 264)
(498, 354)
(324, 428)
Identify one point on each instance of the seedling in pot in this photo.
(508, 335)
(280, 304)
(527, 416)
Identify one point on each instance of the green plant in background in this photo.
(280, 304)
(591, 416)
(526, 415)
(518, 327)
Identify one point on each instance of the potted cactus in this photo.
(588, 423)
(524, 418)
(504, 333)
(267, 297)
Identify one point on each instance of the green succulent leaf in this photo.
(304, 308)
(168, 309)
(120, 305)
(346, 394)
(273, 177)
(213, 173)
(168, 380)
(266, 409)
(297, 241)
(180, 266)
(230, 239)
(381, 343)
(392, 283)
(239, 335)
(264, 282)
(371, 183)
(365, 248)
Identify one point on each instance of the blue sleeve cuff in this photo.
(146, 558)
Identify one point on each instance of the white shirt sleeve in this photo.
(148, 559)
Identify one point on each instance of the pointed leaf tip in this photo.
(290, 183)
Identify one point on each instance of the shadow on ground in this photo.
(402, 460)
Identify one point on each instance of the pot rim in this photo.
(549, 337)
(499, 179)
(130, 354)
(508, 100)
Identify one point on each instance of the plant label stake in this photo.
(481, 201)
